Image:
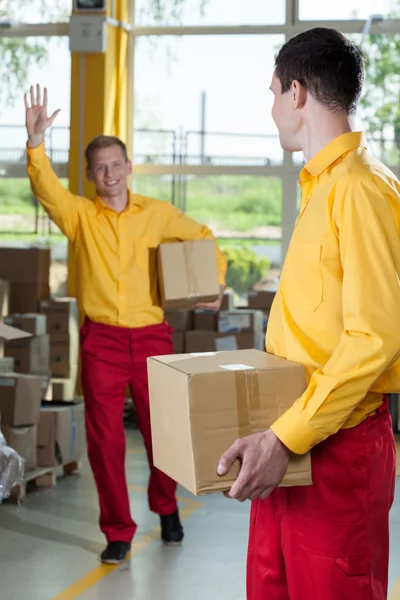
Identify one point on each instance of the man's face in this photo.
(109, 171)
(287, 116)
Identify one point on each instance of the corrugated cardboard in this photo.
(20, 399)
(206, 320)
(62, 315)
(261, 299)
(25, 297)
(240, 321)
(25, 265)
(180, 320)
(33, 323)
(201, 404)
(178, 341)
(6, 364)
(208, 341)
(61, 435)
(4, 298)
(30, 355)
(187, 273)
(395, 593)
(24, 441)
(11, 333)
(63, 356)
(228, 300)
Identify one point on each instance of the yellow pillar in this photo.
(100, 98)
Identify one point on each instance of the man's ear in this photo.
(89, 174)
(129, 165)
(299, 94)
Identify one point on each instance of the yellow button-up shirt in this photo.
(115, 254)
(337, 310)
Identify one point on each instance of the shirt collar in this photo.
(133, 200)
(332, 152)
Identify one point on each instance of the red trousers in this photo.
(329, 541)
(114, 358)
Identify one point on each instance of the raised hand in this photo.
(37, 121)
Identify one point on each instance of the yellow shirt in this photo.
(116, 275)
(337, 310)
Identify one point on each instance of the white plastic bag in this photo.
(11, 469)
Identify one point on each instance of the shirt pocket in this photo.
(301, 280)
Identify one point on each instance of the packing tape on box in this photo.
(247, 399)
(191, 277)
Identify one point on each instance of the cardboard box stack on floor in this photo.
(212, 400)
(20, 399)
(261, 300)
(31, 354)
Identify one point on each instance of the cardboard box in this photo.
(4, 298)
(207, 341)
(178, 341)
(20, 399)
(30, 355)
(180, 320)
(212, 400)
(395, 593)
(61, 435)
(25, 265)
(261, 300)
(62, 316)
(187, 273)
(24, 441)
(205, 320)
(240, 321)
(228, 300)
(25, 297)
(33, 323)
(10, 333)
(64, 351)
(60, 390)
(6, 364)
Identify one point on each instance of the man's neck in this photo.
(322, 130)
(117, 203)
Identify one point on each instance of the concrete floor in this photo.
(49, 546)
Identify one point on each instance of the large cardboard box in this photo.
(180, 320)
(24, 441)
(20, 399)
(205, 320)
(201, 404)
(187, 273)
(33, 323)
(240, 321)
(25, 297)
(4, 298)
(25, 265)
(64, 351)
(61, 435)
(395, 593)
(30, 355)
(261, 300)
(178, 342)
(62, 316)
(208, 341)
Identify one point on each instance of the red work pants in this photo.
(114, 358)
(329, 541)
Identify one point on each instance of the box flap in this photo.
(11, 333)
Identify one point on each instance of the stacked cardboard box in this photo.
(61, 435)
(28, 271)
(180, 321)
(226, 330)
(31, 354)
(261, 300)
(20, 399)
(62, 327)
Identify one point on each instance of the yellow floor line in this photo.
(139, 544)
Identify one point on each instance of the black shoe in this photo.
(115, 553)
(171, 530)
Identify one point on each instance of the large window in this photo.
(310, 10)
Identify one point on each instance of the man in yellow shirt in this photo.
(114, 237)
(337, 311)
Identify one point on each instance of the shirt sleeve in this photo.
(179, 226)
(370, 255)
(61, 205)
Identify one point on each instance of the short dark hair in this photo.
(327, 64)
(104, 141)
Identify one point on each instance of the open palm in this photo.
(37, 121)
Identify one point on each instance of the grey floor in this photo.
(49, 546)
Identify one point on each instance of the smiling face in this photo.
(287, 113)
(109, 170)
